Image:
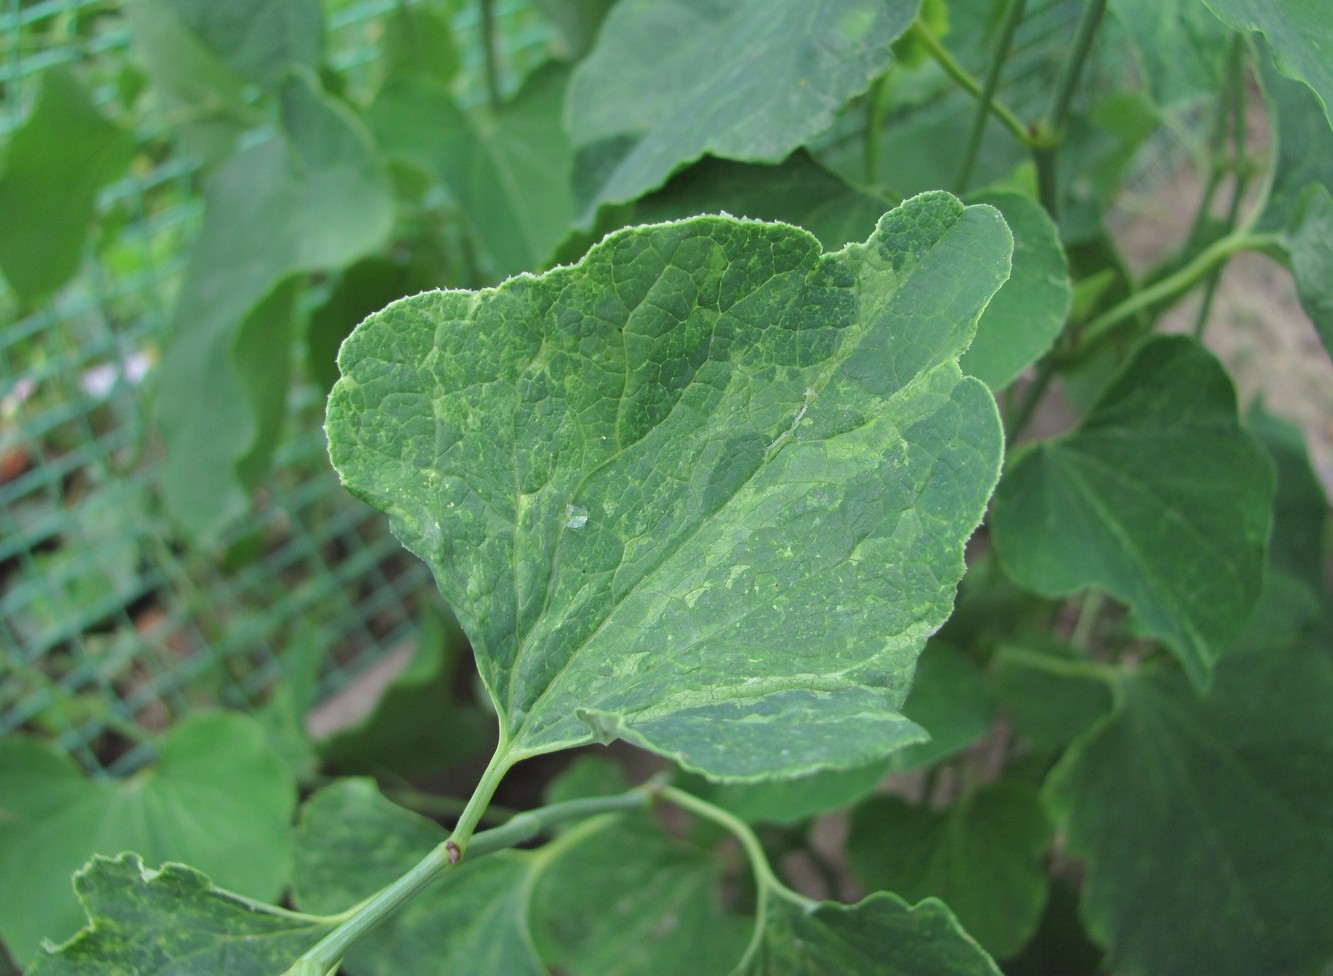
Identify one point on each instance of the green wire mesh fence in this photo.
(110, 629)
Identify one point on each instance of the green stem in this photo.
(875, 108)
(766, 882)
(1088, 612)
(986, 98)
(490, 42)
(959, 74)
(1174, 284)
(1052, 127)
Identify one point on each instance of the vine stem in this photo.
(1052, 127)
(490, 41)
(986, 97)
(959, 74)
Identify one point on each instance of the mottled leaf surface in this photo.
(880, 936)
(1030, 309)
(352, 841)
(705, 491)
(1300, 32)
(56, 162)
(218, 797)
(509, 171)
(670, 80)
(322, 197)
(981, 856)
(1206, 822)
(171, 921)
(1159, 498)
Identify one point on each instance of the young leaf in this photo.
(1206, 823)
(982, 856)
(670, 80)
(510, 172)
(57, 161)
(1030, 309)
(728, 504)
(173, 920)
(880, 936)
(1300, 32)
(218, 797)
(322, 197)
(1159, 497)
(352, 841)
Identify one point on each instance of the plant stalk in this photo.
(959, 74)
(1052, 127)
(490, 48)
(986, 98)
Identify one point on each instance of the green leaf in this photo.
(1050, 693)
(1300, 32)
(170, 921)
(1304, 145)
(728, 504)
(510, 172)
(624, 899)
(1024, 318)
(670, 80)
(322, 198)
(880, 936)
(576, 23)
(1309, 246)
(351, 842)
(57, 161)
(217, 797)
(1182, 48)
(797, 191)
(1206, 823)
(981, 856)
(948, 699)
(419, 41)
(1159, 498)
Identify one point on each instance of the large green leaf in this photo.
(1027, 314)
(1158, 498)
(217, 798)
(509, 171)
(670, 80)
(706, 490)
(1304, 145)
(880, 936)
(352, 841)
(171, 921)
(1308, 242)
(1207, 823)
(57, 161)
(982, 856)
(1300, 32)
(321, 196)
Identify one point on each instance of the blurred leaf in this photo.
(982, 856)
(1182, 48)
(949, 700)
(217, 797)
(576, 23)
(58, 159)
(1304, 145)
(1159, 498)
(1206, 822)
(731, 504)
(1308, 242)
(318, 197)
(626, 900)
(796, 191)
(1049, 692)
(167, 921)
(1026, 315)
(364, 287)
(1300, 32)
(418, 40)
(509, 172)
(880, 936)
(671, 80)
